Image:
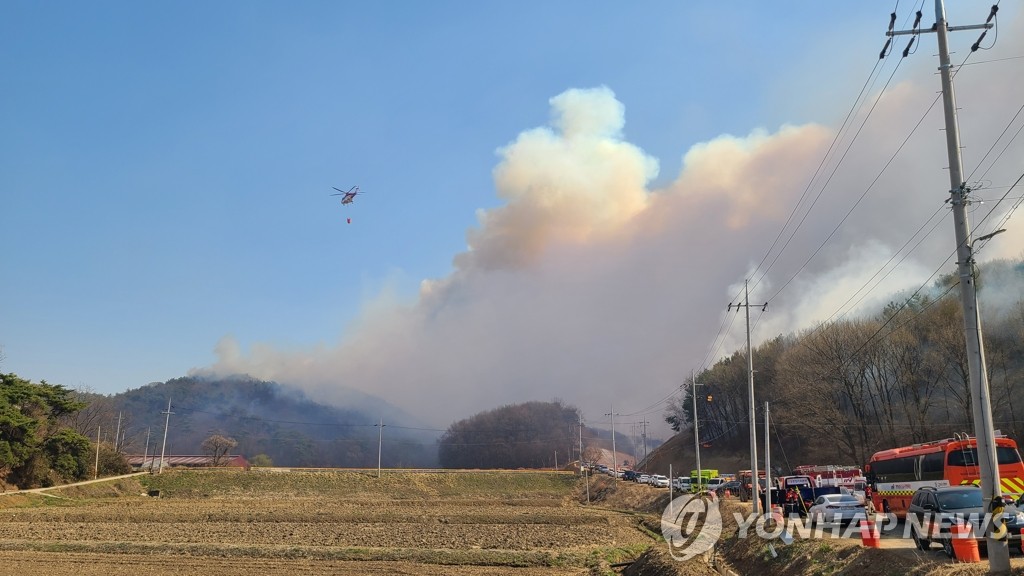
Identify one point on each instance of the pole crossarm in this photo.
(934, 29)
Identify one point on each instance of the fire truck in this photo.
(850, 478)
(745, 486)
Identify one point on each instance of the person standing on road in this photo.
(792, 501)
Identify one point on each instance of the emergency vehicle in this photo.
(894, 475)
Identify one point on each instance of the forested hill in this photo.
(264, 418)
(854, 385)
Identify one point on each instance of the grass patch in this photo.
(399, 485)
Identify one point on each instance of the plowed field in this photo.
(296, 522)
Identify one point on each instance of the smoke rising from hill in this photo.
(592, 286)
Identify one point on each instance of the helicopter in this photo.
(347, 197)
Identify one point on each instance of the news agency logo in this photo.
(691, 525)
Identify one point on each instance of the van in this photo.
(681, 483)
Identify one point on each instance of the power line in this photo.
(872, 78)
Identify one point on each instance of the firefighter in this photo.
(792, 501)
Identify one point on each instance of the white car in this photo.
(681, 483)
(643, 479)
(659, 481)
(839, 508)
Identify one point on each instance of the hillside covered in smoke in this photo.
(264, 417)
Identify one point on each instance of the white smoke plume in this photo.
(590, 286)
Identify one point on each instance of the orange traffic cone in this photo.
(965, 547)
(869, 535)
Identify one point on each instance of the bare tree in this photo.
(217, 448)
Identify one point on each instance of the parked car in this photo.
(659, 481)
(934, 510)
(643, 479)
(841, 508)
(714, 483)
(630, 475)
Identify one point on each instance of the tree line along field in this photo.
(338, 522)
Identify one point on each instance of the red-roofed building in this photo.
(153, 462)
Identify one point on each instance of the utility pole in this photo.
(117, 434)
(581, 444)
(145, 454)
(583, 468)
(632, 443)
(754, 486)
(96, 467)
(615, 467)
(696, 436)
(767, 467)
(380, 442)
(167, 422)
(633, 426)
(643, 436)
(981, 402)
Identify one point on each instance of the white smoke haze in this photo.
(589, 286)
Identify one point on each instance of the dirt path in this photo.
(45, 491)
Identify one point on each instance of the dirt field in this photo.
(234, 523)
(228, 523)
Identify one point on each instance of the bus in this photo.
(894, 475)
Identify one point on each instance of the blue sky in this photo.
(165, 169)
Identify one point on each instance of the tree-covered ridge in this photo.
(515, 436)
(37, 447)
(270, 419)
(850, 387)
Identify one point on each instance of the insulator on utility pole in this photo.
(976, 45)
(906, 51)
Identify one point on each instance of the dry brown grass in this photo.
(343, 522)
